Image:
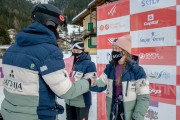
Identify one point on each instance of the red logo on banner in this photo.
(163, 93)
(154, 19)
(156, 55)
(102, 27)
(105, 41)
(106, 26)
(113, 10)
(178, 75)
(178, 35)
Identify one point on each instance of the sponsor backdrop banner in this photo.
(154, 26)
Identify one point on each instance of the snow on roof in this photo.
(91, 3)
(4, 46)
(79, 14)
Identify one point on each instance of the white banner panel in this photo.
(137, 6)
(165, 36)
(103, 56)
(161, 112)
(178, 14)
(114, 25)
(161, 74)
(178, 55)
(178, 95)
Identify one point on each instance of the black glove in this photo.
(89, 80)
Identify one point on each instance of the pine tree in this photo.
(4, 36)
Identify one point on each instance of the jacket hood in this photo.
(85, 56)
(34, 34)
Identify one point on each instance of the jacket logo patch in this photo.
(12, 85)
(32, 66)
(143, 83)
(43, 68)
(11, 74)
(78, 75)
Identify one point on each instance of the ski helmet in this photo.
(48, 15)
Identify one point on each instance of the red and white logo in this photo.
(112, 11)
(156, 55)
(163, 93)
(105, 41)
(154, 19)
(151, 20)
(155, 92)
(150, 17)
(101, 27)
(114, 25)
(106, 26)
(151, 56)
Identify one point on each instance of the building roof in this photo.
(78, 20)
(4, 46)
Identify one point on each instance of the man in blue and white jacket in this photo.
(34, 71)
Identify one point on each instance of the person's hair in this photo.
(128, 58)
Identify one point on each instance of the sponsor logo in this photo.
(161, 74)
(102, 27)
(106, 26)
(9, 84)
(151, 20)
(43, 68)
(111, 40)
(145, 3)
(155, 92)
(154, 37)
(11, 74)
(112, 11)
(32, 66)
(111, 26)
(150, 55)
(151, 114)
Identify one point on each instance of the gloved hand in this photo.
(91, 81)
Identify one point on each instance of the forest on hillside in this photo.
(16, 14)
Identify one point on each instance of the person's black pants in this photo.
(76, 113)
(1, 118)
